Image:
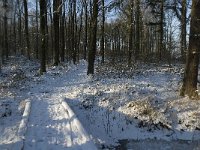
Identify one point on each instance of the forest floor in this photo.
(127, 108)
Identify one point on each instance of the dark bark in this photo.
(62, 54)
(161, 30)
(191, 70)
(56, 12)
(1, 43)
(137, 40)
(130, 51)
(183, 30)
(102, 33)
(26, 29)
(20, 28)
(79, 34)
(86, 30)
(43, 38)
(14, 31)
(74, 33)
(5, 49)
(46, 31)
(52, 33)
(37, 32)
(93, 34)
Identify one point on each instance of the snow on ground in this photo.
(49, 125)
(116, 106)
(138, 104)
(13, 83)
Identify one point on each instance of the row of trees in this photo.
(142, 28)
(68, 30)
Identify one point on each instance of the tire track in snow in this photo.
(48, 127)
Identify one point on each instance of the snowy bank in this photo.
(88, 143)
(23, 126)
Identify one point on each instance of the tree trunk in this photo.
(191, 71)
(1, 44)
(161, 30)
(130, 49)
(37, 32)
(86, 30)
(26, 28)
(5, 49)
(93, 33)
(20, 28)
(62, 55)
(102, 32)
(56, 14)
(14, 30)
(183, 30)
(74, 31)
(47, 31)
(43, 38)
(79, 34)
(137, 40)
(52, 33)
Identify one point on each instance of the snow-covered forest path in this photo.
(49, 125)
(111, 106)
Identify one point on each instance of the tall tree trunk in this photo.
(93, 33)
(183, 30)
(52, 33)
(43, 37)
(86, 29)
(47, 31)
(37, 32)
(1, 44)
(137, 40)
(79, 34)
(56, 13)
(20, 28)
(191, 71)
(102, 33)
(131, 35)
(14, 30)
(5, 49)
(26, 28)
(161, 30)
(62, 55)
(74, 32)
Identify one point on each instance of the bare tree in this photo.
(102, 32)
(191, 70)
(56, 22)
(93, 36)
(26, 28)
(43, 34)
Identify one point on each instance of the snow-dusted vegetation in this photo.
(140, 104)
(99, 74)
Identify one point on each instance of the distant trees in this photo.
(69, 30)
(181, 8)
(191, 70)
